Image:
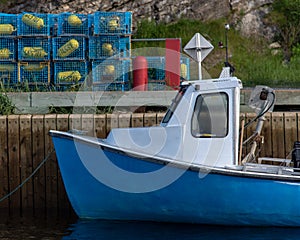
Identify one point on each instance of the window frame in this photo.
(174, 104)
(210, 135)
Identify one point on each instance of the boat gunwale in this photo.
(174, 163)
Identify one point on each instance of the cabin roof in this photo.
(212, 84)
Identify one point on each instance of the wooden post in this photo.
(100, 125)
(62, 124)
(150, 119)
(14, 163)
(290, 132)
(278, 135)
(137, 120)
(75, 122)
(112, 121)
(160, 117)
(26, 164)
(4, 187)
(87, 124)
(124, 120)
(51, 168)
(266, 150)
(38, 148)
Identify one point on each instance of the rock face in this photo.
(247, 16)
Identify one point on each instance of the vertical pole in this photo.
(241, 143)
(199, 64)
(227, 27)
(226, 45)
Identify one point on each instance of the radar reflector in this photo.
(198, 48)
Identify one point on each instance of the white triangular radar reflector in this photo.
(198, 47)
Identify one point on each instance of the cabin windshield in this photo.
(175, 103)
(210, 116)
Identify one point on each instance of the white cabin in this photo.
(200, 127)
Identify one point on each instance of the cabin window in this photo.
(210, 116)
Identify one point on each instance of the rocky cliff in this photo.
(245, 15)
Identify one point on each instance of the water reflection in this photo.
(88, 229)
(33, 228)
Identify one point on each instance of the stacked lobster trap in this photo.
(69, 43)
(64, 51)
(8, 53)
(34, 50)
(109, 50)
(59, 51)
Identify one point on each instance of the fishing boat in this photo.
(188, 169)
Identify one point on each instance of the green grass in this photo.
(251, 57)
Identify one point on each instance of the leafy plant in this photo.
(6, 105)
(286, 18)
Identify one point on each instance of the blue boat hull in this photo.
(194, 197)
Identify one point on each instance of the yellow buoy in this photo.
(114, 23)
(69, 76)
(33, 21)
(6, 29)
(34, 52)
(74, 21)
(7, 68)
(68, 48)
(34, 67)
(5, 53)
(183, 70)
(107, 49)
(109, 69)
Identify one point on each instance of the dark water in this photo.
(88, 229)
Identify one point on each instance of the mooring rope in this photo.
(27, 179)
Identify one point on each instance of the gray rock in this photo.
(248, 16)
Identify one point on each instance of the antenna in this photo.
(227, 27)
(226, 63)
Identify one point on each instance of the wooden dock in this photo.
(25, 142)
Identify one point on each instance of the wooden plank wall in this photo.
(25, 142)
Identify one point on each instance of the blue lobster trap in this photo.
(8, 49)
(109, 46)
(70, 72)
(9, 73)
(8, 24)
(69, 48)
(35, 73)
(53, 22)
(111, 23)
(34, 49)
(156, 68)
(111, 86)
(72, 24)
(111, 71)
(33, 24)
